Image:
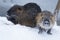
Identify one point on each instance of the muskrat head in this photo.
(45, 20)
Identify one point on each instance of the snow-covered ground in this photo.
(9, 31)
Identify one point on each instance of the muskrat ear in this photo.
(19, 9)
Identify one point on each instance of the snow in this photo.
(9, 31)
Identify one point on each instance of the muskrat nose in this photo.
(46, 21)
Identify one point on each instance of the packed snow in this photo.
(9, 31)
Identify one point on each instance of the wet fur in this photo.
(24, 15)
(39, 18)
